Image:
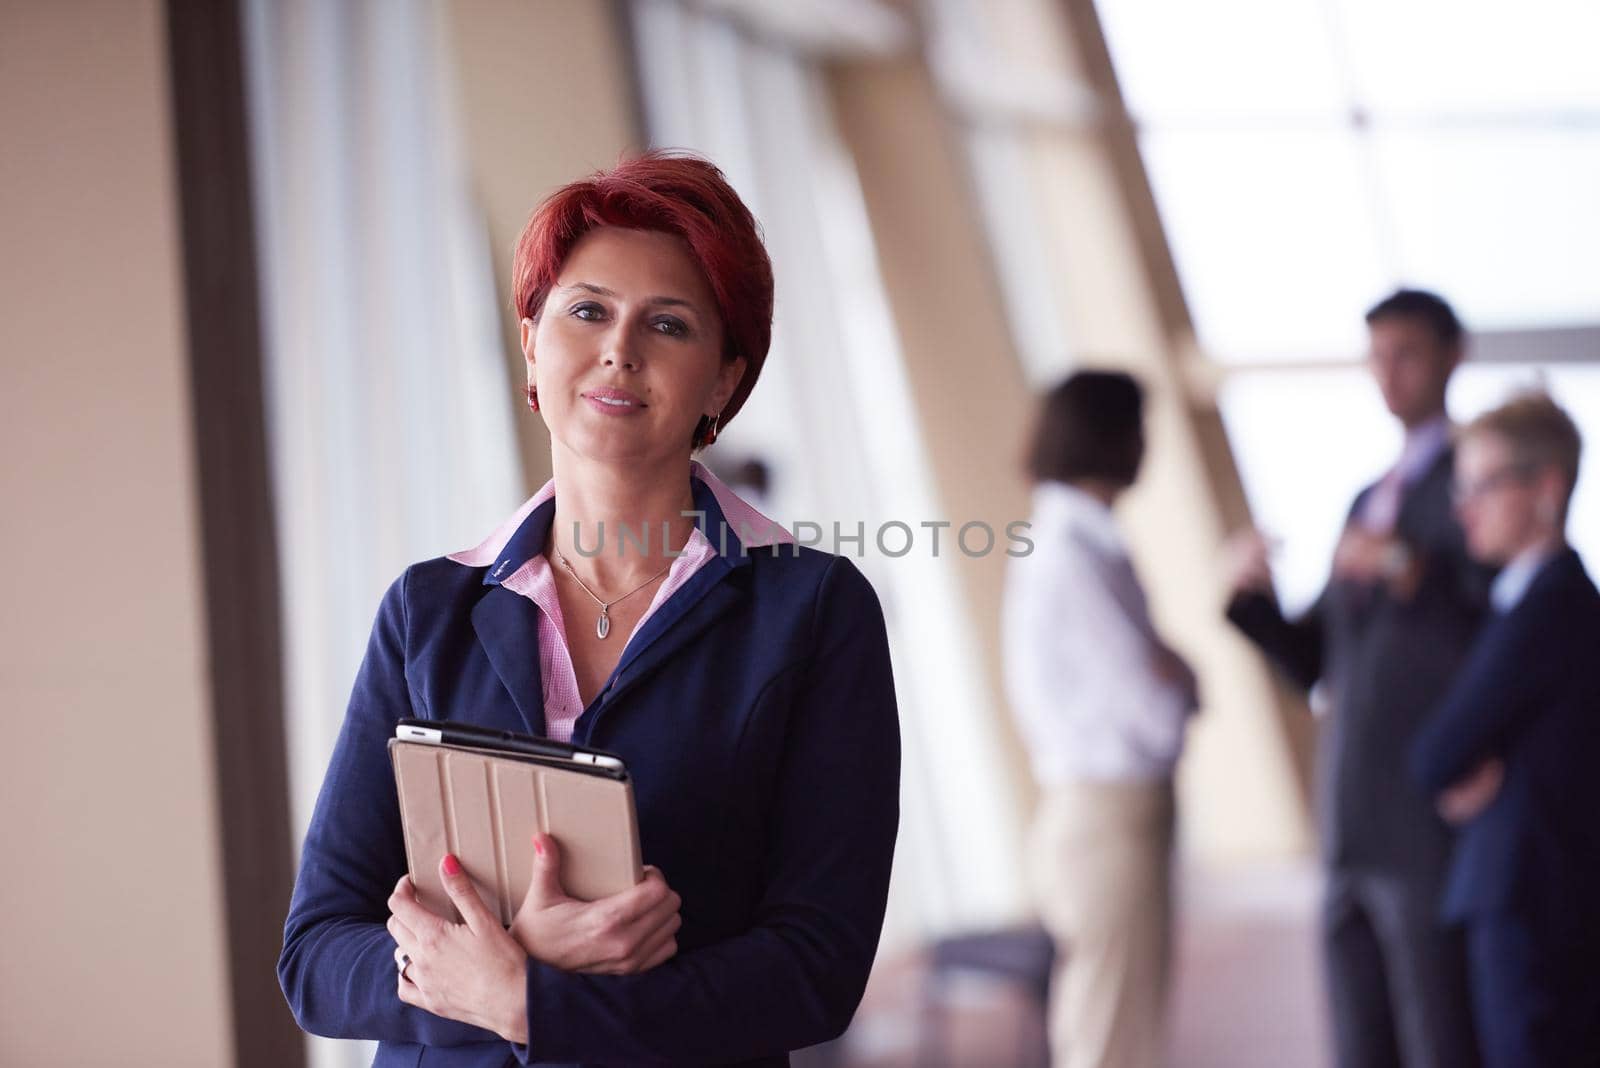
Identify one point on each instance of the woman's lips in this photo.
(614, 401)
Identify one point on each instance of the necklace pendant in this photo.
(602, 626)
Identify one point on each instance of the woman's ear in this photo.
(527, 329)
(729, 375)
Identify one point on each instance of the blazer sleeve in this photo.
(1294, 646)
(1500, 690)
(337, 965)
(796, 976)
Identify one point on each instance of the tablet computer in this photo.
(492, 739)
(483, 794)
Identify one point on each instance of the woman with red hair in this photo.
(634, 604)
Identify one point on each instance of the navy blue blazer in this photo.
(1530, 695)
(756, 712)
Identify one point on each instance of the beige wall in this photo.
(114, 935)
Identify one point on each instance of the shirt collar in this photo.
(1072, 507)
(1512, 583)
(727, 521)
(1423, 446)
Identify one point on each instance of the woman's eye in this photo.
(670, 326)
(588, 312)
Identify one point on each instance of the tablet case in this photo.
(485, 808)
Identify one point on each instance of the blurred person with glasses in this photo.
(1382, 643)
(1512, 754)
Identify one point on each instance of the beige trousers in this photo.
(1100, 861)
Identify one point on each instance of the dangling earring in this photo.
(711, 432)
(533, 398)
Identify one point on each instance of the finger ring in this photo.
(405, 962)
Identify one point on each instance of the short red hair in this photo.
(673, 193)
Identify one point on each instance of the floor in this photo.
(1246, 993)
(1248, 987)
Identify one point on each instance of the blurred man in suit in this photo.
(1384, 640)
(1513, 753)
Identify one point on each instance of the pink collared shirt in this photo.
(536, 581)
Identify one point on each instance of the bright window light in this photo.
(1309, 155)
(1179, 59)
(1506, 222)
(1473, 56)
(1273, 236)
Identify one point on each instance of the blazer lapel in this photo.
(692, 610)
(1421, 493)
(507, 625)
(713, 591)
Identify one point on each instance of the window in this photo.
(1307, 156)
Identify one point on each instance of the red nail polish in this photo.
(538, 845)
(452, 866)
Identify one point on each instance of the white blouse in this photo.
(1080, 651)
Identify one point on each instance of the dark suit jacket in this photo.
(756, 713)
(1529, 695)
(1385, 663)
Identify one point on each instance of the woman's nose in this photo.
(618, 348)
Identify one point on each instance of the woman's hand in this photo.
(628, 932)
(473, 972)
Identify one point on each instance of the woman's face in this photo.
(627, 351)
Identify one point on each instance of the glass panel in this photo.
(1273, 237)
(999, 169)
(1306, 442)
(1176, 58)
(1482, 58)
(1506, 223)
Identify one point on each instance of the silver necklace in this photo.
(602, 626)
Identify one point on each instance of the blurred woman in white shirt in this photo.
(1102, 702)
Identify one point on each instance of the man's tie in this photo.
(1381, 510)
